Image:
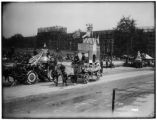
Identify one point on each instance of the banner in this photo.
(77, 34)
(35, 59)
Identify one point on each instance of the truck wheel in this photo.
(31, 77)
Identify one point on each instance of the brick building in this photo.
(106, 42)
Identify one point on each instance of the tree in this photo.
(126, 25)
(123, 35)
(4, 41)
(17, 40)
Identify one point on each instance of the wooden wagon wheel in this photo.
(86, 78)
(98, 74)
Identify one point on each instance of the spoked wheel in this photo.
(31, 77)
(86, 78)
(98, 74)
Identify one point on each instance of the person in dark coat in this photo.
(101, 65)
(76, 59)
(64, 74)
(83, 58)
(94, 58)
(107, 62)
(76, 63)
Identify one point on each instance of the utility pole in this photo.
(111, 49)
(132, 45)
(127, 49)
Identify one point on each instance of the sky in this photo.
(25, 18)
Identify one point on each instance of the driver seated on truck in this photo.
(76, 59)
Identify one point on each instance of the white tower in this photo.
(90, 44)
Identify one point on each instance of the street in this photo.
(134, 97)
(82, 59)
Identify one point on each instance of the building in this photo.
(150, 36)
(106, 42)
(55, 37)
(147, 44)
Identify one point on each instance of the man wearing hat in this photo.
(76, 66)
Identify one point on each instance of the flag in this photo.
(98, 40)
(76, 34)
(35, 59)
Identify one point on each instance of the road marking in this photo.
(135, 109)
(49, 103)
(80, 104)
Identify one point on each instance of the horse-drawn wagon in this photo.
(85, 72)
(88, 69)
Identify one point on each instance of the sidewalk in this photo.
(11, 93)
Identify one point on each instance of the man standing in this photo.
(101, 65)
(76, 59)
(106, 62)
(76, 66)
(83, 58)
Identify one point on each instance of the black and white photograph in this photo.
(78, 59)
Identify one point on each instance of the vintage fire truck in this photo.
(39, 68)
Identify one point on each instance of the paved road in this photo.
(91, 100)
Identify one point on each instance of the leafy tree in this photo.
(4, 41)
(126, 25)
(123, 35)
(17, 40)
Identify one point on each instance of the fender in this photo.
(32, 71)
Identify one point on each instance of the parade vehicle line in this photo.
(22, 92)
